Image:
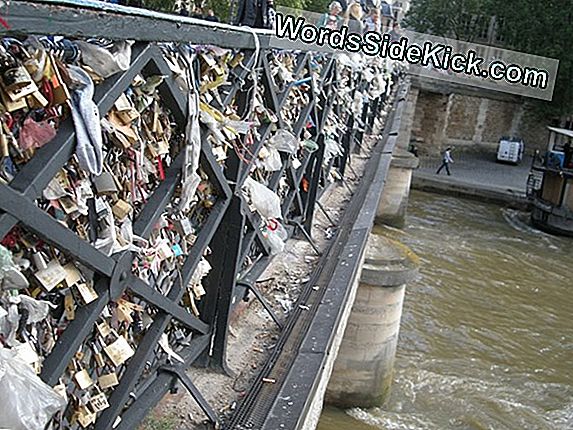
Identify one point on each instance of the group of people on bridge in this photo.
(359, 16)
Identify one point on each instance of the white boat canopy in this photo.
(564, 131)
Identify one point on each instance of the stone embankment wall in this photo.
(470, 122)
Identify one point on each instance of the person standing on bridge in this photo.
(446, 160)
(331, 19)
(256, 13)
(353, 18)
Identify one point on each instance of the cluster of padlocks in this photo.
(124, 154)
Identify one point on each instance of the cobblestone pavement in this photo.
(478, 170)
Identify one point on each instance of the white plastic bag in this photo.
(38, 310)
(27, 402)
(103, 61)
(10, 275)
(6, 263)
(265, 201)
(276, 235)
(331, 149)
(276, 245)
(270, 159)
(284, 141)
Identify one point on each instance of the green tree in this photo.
(459, 19)
(530, 26)
(546, 29)
(222, 8)
(160, 5)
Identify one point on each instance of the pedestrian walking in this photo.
(210, 16)
(446, 160)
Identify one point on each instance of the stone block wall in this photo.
(463, 116)
(499, 120)
(428, 124)
(472, 123)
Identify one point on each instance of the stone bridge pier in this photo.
(394, 201)
(363, 370)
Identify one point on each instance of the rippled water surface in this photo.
(487, 332)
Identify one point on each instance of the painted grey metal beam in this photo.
(14, 203)
(78, 18)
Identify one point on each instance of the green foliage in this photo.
(544, 29)
(319, 6)
(160, 5)
(530, 26)
(221, 9)
(449, 18)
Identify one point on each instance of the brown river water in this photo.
(486, 340)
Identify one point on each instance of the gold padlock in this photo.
(83, 379)
(99, 402)
(69, 306)
(85, 417)
(119, 351)
(107, 380)
(15, 78)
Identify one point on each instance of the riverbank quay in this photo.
(476, 176)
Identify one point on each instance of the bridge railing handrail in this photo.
(88, 18)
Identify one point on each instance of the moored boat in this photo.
(550, 184)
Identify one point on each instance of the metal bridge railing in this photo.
(137, 242)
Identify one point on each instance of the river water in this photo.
(486, 340)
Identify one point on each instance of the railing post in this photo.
(220, 282)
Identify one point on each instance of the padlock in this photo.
(119, 351)
(86, 291)
(103, 329)
(99, 402)
(73, 275)
(15, 78)
(12, 105)
(83, 379)
(52, 275)
(84, 416)
(107, 380)
(36, 100)
(69, 306)
(105, 183)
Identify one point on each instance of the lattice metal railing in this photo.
(135, 268)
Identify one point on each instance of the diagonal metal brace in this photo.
(263, 301)
(194, 391)
(306, 235)
(326, 214)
